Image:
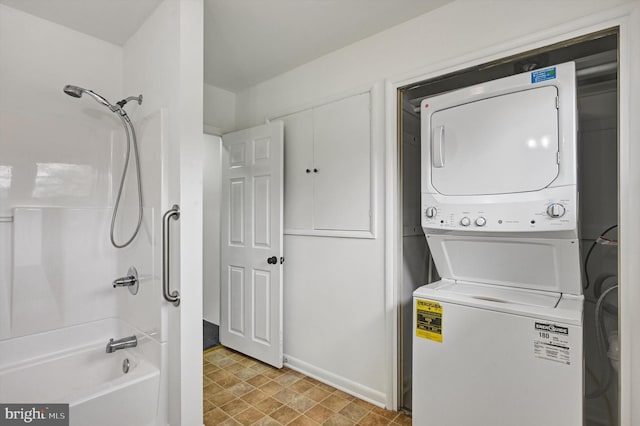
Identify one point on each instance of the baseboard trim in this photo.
(348, 386)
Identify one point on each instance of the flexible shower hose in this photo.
(126, 122)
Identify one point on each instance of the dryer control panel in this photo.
(554, 209)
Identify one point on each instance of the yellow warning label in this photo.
(429, 320)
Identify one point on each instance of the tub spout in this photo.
(125, 342)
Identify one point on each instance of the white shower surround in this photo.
(62, 161)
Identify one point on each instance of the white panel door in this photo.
(298, 170)
(342, 157)
(497, 145)
(251, 242)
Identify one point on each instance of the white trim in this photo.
(376, 147)
(628, 203)
(352, 388)
(600, 21)
(360, 90)
(597, 22)
(211, 130)
(330, 233)
(391, 246)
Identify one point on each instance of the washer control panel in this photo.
(525, 212)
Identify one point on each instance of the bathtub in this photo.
(70, 366)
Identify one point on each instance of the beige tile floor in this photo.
(239, 390)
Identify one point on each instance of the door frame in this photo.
(622, 17)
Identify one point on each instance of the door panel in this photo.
(298, 167)
(236, 300)
(342, 158)
(252, 214)
(261, 218)
(236, 215)
(502, 144)
(260, 315)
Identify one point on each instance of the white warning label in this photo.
(551, 342)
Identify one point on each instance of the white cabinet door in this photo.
(342, 158)
(498, 145)
(298, 170)
(251, 242)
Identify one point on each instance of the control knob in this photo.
(465, 221)
(556, 210)
(430, 212)
(481, 221)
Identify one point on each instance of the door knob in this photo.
(272, 260)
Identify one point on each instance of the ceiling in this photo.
(246, 41)
(249, 41)
(110, 20)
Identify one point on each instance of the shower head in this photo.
(77, 92)
(74, 91)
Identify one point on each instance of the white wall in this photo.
(629, 269)
(219, 110)
(333, 341)
(56, 154)
(211, 215)
(163, 60)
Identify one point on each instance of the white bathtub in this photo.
(42, 369)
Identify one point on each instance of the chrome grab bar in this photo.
(170, 296)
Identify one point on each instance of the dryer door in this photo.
(503, 144)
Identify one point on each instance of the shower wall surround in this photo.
(63, 265)
(59, 159)
(54, 150)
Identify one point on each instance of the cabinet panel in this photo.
(342, 156)
(298, 184)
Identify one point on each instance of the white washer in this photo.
(492, 356)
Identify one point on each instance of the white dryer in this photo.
(501, 156)
(499, 340)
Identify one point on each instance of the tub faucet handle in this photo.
(131, 281)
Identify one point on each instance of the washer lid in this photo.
(547, 264)
(539, 304)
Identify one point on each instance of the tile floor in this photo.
(239, 390)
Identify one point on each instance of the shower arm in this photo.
(123, 102)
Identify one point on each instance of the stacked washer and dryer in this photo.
(498, 340)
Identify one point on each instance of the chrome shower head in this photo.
(77, 92)
(74, 91)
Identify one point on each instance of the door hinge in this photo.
(558, 157)
(281, 260)
(557, 102)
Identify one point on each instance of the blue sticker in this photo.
(543, 75)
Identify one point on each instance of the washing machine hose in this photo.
(602, 346)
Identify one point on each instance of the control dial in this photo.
(556, 210)
(481, 221)
(465, 221)
(430, 212)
